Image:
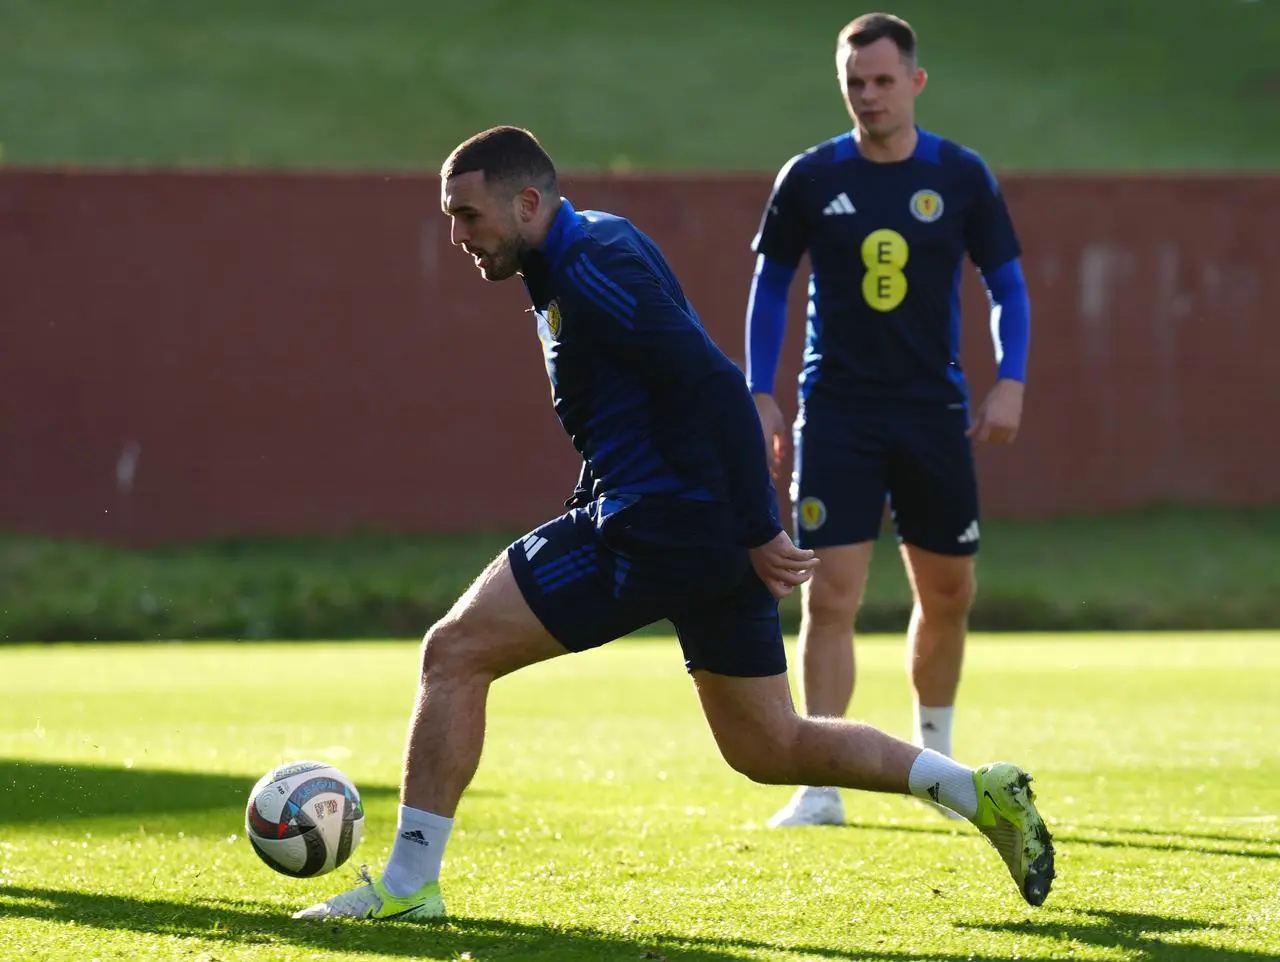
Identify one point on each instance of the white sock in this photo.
(417, 852)
(933, 728)
(820, 790)
(937, 777)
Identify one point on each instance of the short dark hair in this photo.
(507, 155)
(870, 27)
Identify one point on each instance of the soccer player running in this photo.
(674, 517)
(886, 213)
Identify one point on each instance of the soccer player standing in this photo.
(887, 213)
(674, 518)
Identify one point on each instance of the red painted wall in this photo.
(184, 355)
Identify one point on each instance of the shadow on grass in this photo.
(1139, 934)
(247, 926)
(49, 792)
(1192, 842)
(1206, 836)
(1173, 842)
(241, 924)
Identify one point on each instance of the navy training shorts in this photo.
(599, 572)
(849, 460)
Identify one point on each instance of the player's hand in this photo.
(774, 426)
(782, 566)
(998, 419)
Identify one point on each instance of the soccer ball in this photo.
(304, 819)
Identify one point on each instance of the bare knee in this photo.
(944, 585)
(828, 604)
(469, 646)
(450, 649)
(489, 632)
(765, 754)
(834, 594)
(948, 599)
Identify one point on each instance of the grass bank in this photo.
(1150, 570)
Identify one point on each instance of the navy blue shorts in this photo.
(603, 571)
(848, 463)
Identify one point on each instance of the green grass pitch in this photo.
(397, 83)
(603, 826)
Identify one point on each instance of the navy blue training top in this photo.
(651, 403)
(886, 243)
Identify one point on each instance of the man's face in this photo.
(880, 88)
(485, 222)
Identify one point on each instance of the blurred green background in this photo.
(1140, 85)
(654, 84)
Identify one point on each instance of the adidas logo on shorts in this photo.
(970, 534)
(532, 545)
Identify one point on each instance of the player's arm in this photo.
(779, 244)
(637, 318)
(1010, 319)
(993, 245)
(766, 321)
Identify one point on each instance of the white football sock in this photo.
(417, 852)
(818, 790)
(937, 777)
(933, 728)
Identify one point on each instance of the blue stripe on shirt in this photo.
(602, 292)
(599, 275)
(1010, 319)
(766, 322)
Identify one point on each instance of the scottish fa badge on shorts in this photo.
(813, 514)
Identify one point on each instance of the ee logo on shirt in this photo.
(884, 253)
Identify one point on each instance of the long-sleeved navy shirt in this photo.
(649, 400)
(886, 243)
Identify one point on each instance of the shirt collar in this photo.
(562, 233)
(927, 146)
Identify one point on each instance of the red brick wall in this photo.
(184, 355)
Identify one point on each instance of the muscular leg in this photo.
(829, 605)
(934, 490)
(840, 485)
(760, 735)
(489, 632)
(943, 587)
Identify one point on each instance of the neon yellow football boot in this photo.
(371, 900)
(1008, 818)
